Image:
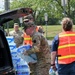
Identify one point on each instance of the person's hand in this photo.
(54, 67)
(25, 53)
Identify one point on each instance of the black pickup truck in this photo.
(6, 66)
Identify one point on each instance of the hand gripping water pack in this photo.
(22, 68)
(28, 58)
(21, 49)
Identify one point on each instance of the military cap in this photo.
(29, 24)
(16, 24)
(27, 18)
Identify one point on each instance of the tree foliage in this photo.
(53, 7)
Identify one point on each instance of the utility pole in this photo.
(21, 21)
(7, 7)
(64, 3)
(46, 19)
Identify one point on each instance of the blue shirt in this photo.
(55, 43)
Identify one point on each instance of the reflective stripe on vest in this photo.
(66, 48)
(27, 38)
(67, 35)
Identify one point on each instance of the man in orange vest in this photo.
(63, 47)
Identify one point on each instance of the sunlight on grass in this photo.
(52, 30)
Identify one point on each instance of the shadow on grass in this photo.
(50, 38)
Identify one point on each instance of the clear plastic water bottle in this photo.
(52, 72)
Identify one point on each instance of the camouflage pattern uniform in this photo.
(17, 37)
(42, 50)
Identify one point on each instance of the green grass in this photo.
(52, 30)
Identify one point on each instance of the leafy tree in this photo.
(53, 7)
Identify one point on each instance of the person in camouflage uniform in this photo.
(17, 35)
(30, 18)
(41, 48)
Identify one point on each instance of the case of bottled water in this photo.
(15, 61)
(22, 68)
(13, 52)
(10, 39)
(11, 43)
(19, 64)
(15, 57)
(12, 46)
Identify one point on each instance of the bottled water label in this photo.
(12, 45)
(13, 53)
(15, 61)
(10, 39)
(23, 73)
(23, 68)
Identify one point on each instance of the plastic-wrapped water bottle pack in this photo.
(10, 39)
(22, 68)
(20, 65)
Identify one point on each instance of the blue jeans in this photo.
(68, 69)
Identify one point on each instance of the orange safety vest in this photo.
(37, 28)
(66, 48)
(27, 39)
